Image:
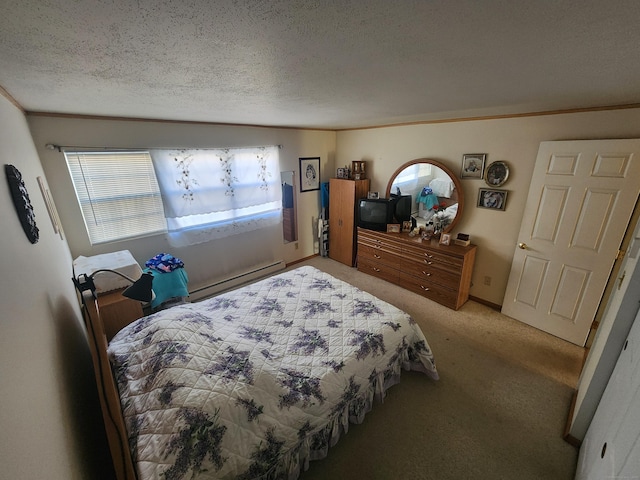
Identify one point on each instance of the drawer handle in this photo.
(425, 273)
(377, 246)
(426, 289)
(375, 269)
(428, 256)
(428, 262)
(376, 255)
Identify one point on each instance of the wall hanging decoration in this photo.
(473, 165)
(51, 208)
(309, 174)
(494, 199)
(22, 203)
(496, 174)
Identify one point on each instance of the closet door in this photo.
(611, 448)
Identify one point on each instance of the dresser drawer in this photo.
(433, 291)
(382, 243)
(435, 257)
(387, 256)
(386, 272)
(415, 263)
(432, 273)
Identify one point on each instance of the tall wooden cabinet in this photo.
(343, 197)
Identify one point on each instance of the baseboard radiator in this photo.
(235, 281)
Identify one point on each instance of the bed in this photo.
(253, 383)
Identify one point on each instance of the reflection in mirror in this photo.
(289, 227)
(436, 193)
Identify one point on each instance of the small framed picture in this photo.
(309, 174)
(393, 228)
(473, 165)
(373, 195)
(445, 239)
(342, 173)
(493, 199)
(497, 174)
(406, 226)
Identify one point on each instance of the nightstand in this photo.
(117, 311)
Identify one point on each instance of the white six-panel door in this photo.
(579, 204)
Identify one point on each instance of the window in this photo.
(214, 193)
(118, 194)
(199, 194)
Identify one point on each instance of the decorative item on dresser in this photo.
(343, 198)
(441, 273)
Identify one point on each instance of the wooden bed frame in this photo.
(114, 424)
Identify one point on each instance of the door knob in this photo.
(522, 246)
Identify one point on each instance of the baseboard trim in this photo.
(494, 306)
(235, 281)
(570, 439)
(300, 260)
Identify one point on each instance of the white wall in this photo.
(514, 140)
(208, 262)
(50, 416)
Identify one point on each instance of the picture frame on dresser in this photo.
(445, 239)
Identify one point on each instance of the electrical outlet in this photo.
(487, 280)
(295, 247)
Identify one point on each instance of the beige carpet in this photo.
(497, 412)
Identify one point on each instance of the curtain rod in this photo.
(61, 148)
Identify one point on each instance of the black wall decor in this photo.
(21, 201)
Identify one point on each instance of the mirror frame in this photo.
(454, 179)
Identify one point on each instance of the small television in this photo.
(375, 213)
(402, 209)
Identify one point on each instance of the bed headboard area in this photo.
(107, 390)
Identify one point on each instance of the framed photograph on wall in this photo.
(473, 165)
(492, 198)
(496, 174)
(309, 174)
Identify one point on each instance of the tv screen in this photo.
(374, 214)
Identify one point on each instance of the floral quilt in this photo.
(254, 383)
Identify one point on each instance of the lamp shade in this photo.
(141, 289)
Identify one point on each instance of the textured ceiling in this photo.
(320, 64)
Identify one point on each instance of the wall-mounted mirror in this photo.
(434, 189)
(289, 226)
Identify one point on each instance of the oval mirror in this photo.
(434, 190)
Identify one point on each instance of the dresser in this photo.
(343, 197)
(441, 273)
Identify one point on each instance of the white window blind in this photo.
(118, 194)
